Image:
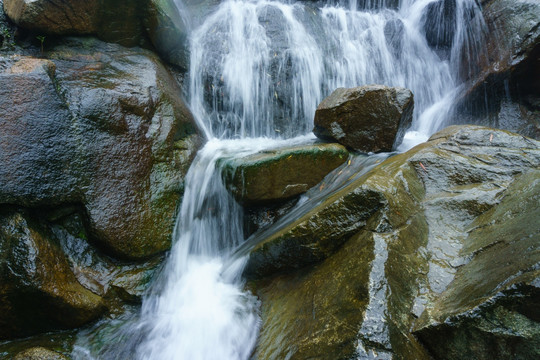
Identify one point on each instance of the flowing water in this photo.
(258, 71)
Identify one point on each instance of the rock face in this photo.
(38, 291)
(451, 248)
(490, 310)
(102, 126)
(368, 118)
(505, 93)
(283, 173)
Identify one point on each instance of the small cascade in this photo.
(259, 68)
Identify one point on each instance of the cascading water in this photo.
(259, 69)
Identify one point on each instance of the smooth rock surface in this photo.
(370, 118)
(490, 310)
(38, 291)
(102, 126)
(280, 174)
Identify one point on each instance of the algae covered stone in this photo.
(280, 174)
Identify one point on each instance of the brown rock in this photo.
(38, 291)
(369, 118)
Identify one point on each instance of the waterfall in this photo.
(258, 70)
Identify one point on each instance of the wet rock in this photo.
(490, 310)
(38, 291)
(314, 236)
(102, 275)
(102, 126)
(168, 31)
(340, 306)
(280, 174)
(39, 353)
(303, 297)
(451, 235)
(368, 118)
(505, 93)
(440, 24)
(259, 216)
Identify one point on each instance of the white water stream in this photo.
(258, 71)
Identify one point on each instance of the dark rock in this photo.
(369, 118)
(102, 126)
(505, 93)
(102, 275)
(38, 291)
(39, 353)
(257, 217)
(451, 246)
(6, 31)
(282, 173)
(168, 32)
(440, 23)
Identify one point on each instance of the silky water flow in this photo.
(258, 71)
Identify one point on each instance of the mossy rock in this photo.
(277, 175)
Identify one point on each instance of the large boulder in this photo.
(369, 118)
(38, 291)
(451, 251)
(280, 174)
(101, 126)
